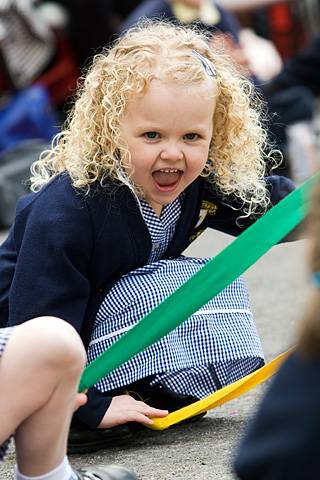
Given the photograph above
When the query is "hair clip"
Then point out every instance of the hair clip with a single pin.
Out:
(316, 279)
(209, 68)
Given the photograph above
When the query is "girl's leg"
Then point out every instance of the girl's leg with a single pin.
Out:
(39, 374)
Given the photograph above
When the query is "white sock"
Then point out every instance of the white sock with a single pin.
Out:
(62, 472)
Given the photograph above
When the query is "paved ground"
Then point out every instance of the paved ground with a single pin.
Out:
(278, 287)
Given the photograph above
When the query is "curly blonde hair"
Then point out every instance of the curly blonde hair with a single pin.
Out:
(89, 148)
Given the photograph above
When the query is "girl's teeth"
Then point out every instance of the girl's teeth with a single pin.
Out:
(168, 170)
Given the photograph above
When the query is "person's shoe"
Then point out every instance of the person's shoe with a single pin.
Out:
(108, 472)
(83, 439)
(159, 396)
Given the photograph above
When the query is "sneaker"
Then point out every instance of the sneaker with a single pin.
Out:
(108, 472)
(83, 439)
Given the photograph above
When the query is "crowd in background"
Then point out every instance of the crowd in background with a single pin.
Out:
(37, 36)
(44, 47)
(51, 42)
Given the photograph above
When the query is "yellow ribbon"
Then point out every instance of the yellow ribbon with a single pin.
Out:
(223, 395)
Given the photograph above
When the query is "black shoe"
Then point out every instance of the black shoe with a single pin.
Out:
(83, 439)
(109, 472)
(160, 396)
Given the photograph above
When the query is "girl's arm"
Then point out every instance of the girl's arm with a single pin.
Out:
(228, 216)
(53, 243)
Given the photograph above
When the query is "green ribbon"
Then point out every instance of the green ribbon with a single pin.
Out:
(216, 275)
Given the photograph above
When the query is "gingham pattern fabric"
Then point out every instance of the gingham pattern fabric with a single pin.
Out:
(4, 336)
(214, 347)
(161, 228)
(203, 380)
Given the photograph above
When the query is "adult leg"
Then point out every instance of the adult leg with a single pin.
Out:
(39, 374)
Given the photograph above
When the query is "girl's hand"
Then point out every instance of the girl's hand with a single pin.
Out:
(124, 408)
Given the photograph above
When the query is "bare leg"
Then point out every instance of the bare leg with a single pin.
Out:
(39, 375)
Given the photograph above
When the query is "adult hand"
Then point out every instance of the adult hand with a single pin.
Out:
(124, 408)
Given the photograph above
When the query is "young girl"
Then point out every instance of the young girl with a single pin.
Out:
(282, 441)
(164, 137)
(37, 398)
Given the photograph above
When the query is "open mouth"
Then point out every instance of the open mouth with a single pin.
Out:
(166, 179)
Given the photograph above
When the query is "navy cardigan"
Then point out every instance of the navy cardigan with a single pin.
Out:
(65, 250)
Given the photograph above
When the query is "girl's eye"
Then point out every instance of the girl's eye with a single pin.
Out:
(151, 135)
(191, 136)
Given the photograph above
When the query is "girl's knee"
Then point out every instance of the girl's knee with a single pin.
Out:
(55, 341)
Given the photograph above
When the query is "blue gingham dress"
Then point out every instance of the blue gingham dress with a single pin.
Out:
(216, 346)
(4, 337)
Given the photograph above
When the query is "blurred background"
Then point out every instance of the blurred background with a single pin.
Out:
(46, 46)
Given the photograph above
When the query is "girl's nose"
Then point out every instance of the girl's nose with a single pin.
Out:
(171, 152)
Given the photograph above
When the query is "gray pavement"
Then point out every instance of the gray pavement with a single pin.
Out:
(278, 290)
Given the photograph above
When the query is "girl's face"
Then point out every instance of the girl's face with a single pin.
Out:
(168, 130)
